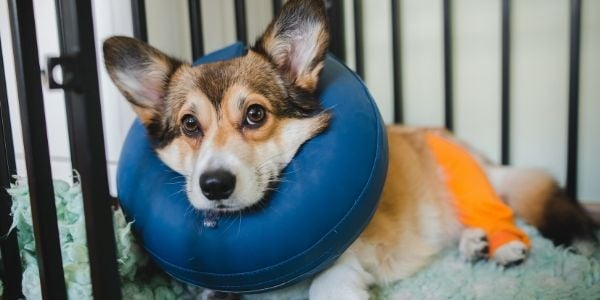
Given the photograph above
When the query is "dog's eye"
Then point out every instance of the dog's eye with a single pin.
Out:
(189, 125)
(255, 115)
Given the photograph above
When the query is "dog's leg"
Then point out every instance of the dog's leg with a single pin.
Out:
(477, 203)
(473, 244)
(346, 279)
(511, 253)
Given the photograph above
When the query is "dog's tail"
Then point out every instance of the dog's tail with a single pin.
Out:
(536, 197)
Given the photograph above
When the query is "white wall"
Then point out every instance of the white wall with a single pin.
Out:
(422, 60)
(589, 119)
(540, 84)
(378, 54)
(539, 71)
(53, 100)
(477, 74)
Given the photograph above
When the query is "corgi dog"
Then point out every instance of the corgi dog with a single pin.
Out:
(230, 128)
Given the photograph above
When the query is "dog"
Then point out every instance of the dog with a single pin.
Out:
(230, 128)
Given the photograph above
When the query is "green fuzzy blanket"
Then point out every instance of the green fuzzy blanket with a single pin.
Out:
(549, 273)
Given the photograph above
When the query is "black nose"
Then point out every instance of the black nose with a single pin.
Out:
(217, 184)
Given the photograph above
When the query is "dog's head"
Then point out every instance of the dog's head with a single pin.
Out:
(230, 127)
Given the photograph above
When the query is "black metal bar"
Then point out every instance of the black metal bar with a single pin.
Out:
(397, 63)
(195, 11)
(9, 246)
(240, 21)
(448, 82)
(84, 119)
(140, 28)
(277, 4)
(358, 38)
(37, 157)
(505, 100)
(337, 45)
(573, 127)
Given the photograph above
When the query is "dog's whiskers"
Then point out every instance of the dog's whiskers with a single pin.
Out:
(240, 221)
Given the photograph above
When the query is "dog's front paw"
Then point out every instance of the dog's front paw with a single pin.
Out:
(215, 295)
(473, 244)
(511, 254)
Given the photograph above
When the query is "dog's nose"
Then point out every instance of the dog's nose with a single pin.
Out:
(217, 184)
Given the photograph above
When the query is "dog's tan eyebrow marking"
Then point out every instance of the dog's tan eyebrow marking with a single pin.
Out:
(241, 101)
(188, 109)
(193, 109)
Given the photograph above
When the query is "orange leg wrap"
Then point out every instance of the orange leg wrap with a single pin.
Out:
(473, 196)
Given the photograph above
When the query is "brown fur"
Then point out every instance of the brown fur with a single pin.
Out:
(279, 74)
(412, 185)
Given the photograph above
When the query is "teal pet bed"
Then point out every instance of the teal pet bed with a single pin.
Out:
(548, 273)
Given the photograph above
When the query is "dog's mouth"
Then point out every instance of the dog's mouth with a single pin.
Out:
(222, 207)
(232, 206)
(226, 208)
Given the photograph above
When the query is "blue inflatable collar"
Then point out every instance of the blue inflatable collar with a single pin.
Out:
(330, 192)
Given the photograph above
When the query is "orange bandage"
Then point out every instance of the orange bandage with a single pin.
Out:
(473, 196)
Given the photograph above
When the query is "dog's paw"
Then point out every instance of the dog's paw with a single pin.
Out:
(511, 254)
(215, 295)
(473, 244)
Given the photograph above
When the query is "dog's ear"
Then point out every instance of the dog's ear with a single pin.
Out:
(141, 73)
(296, 41)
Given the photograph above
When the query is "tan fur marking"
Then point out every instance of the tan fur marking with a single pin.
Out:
(196, 104)
(145, 115)
(411, 186)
